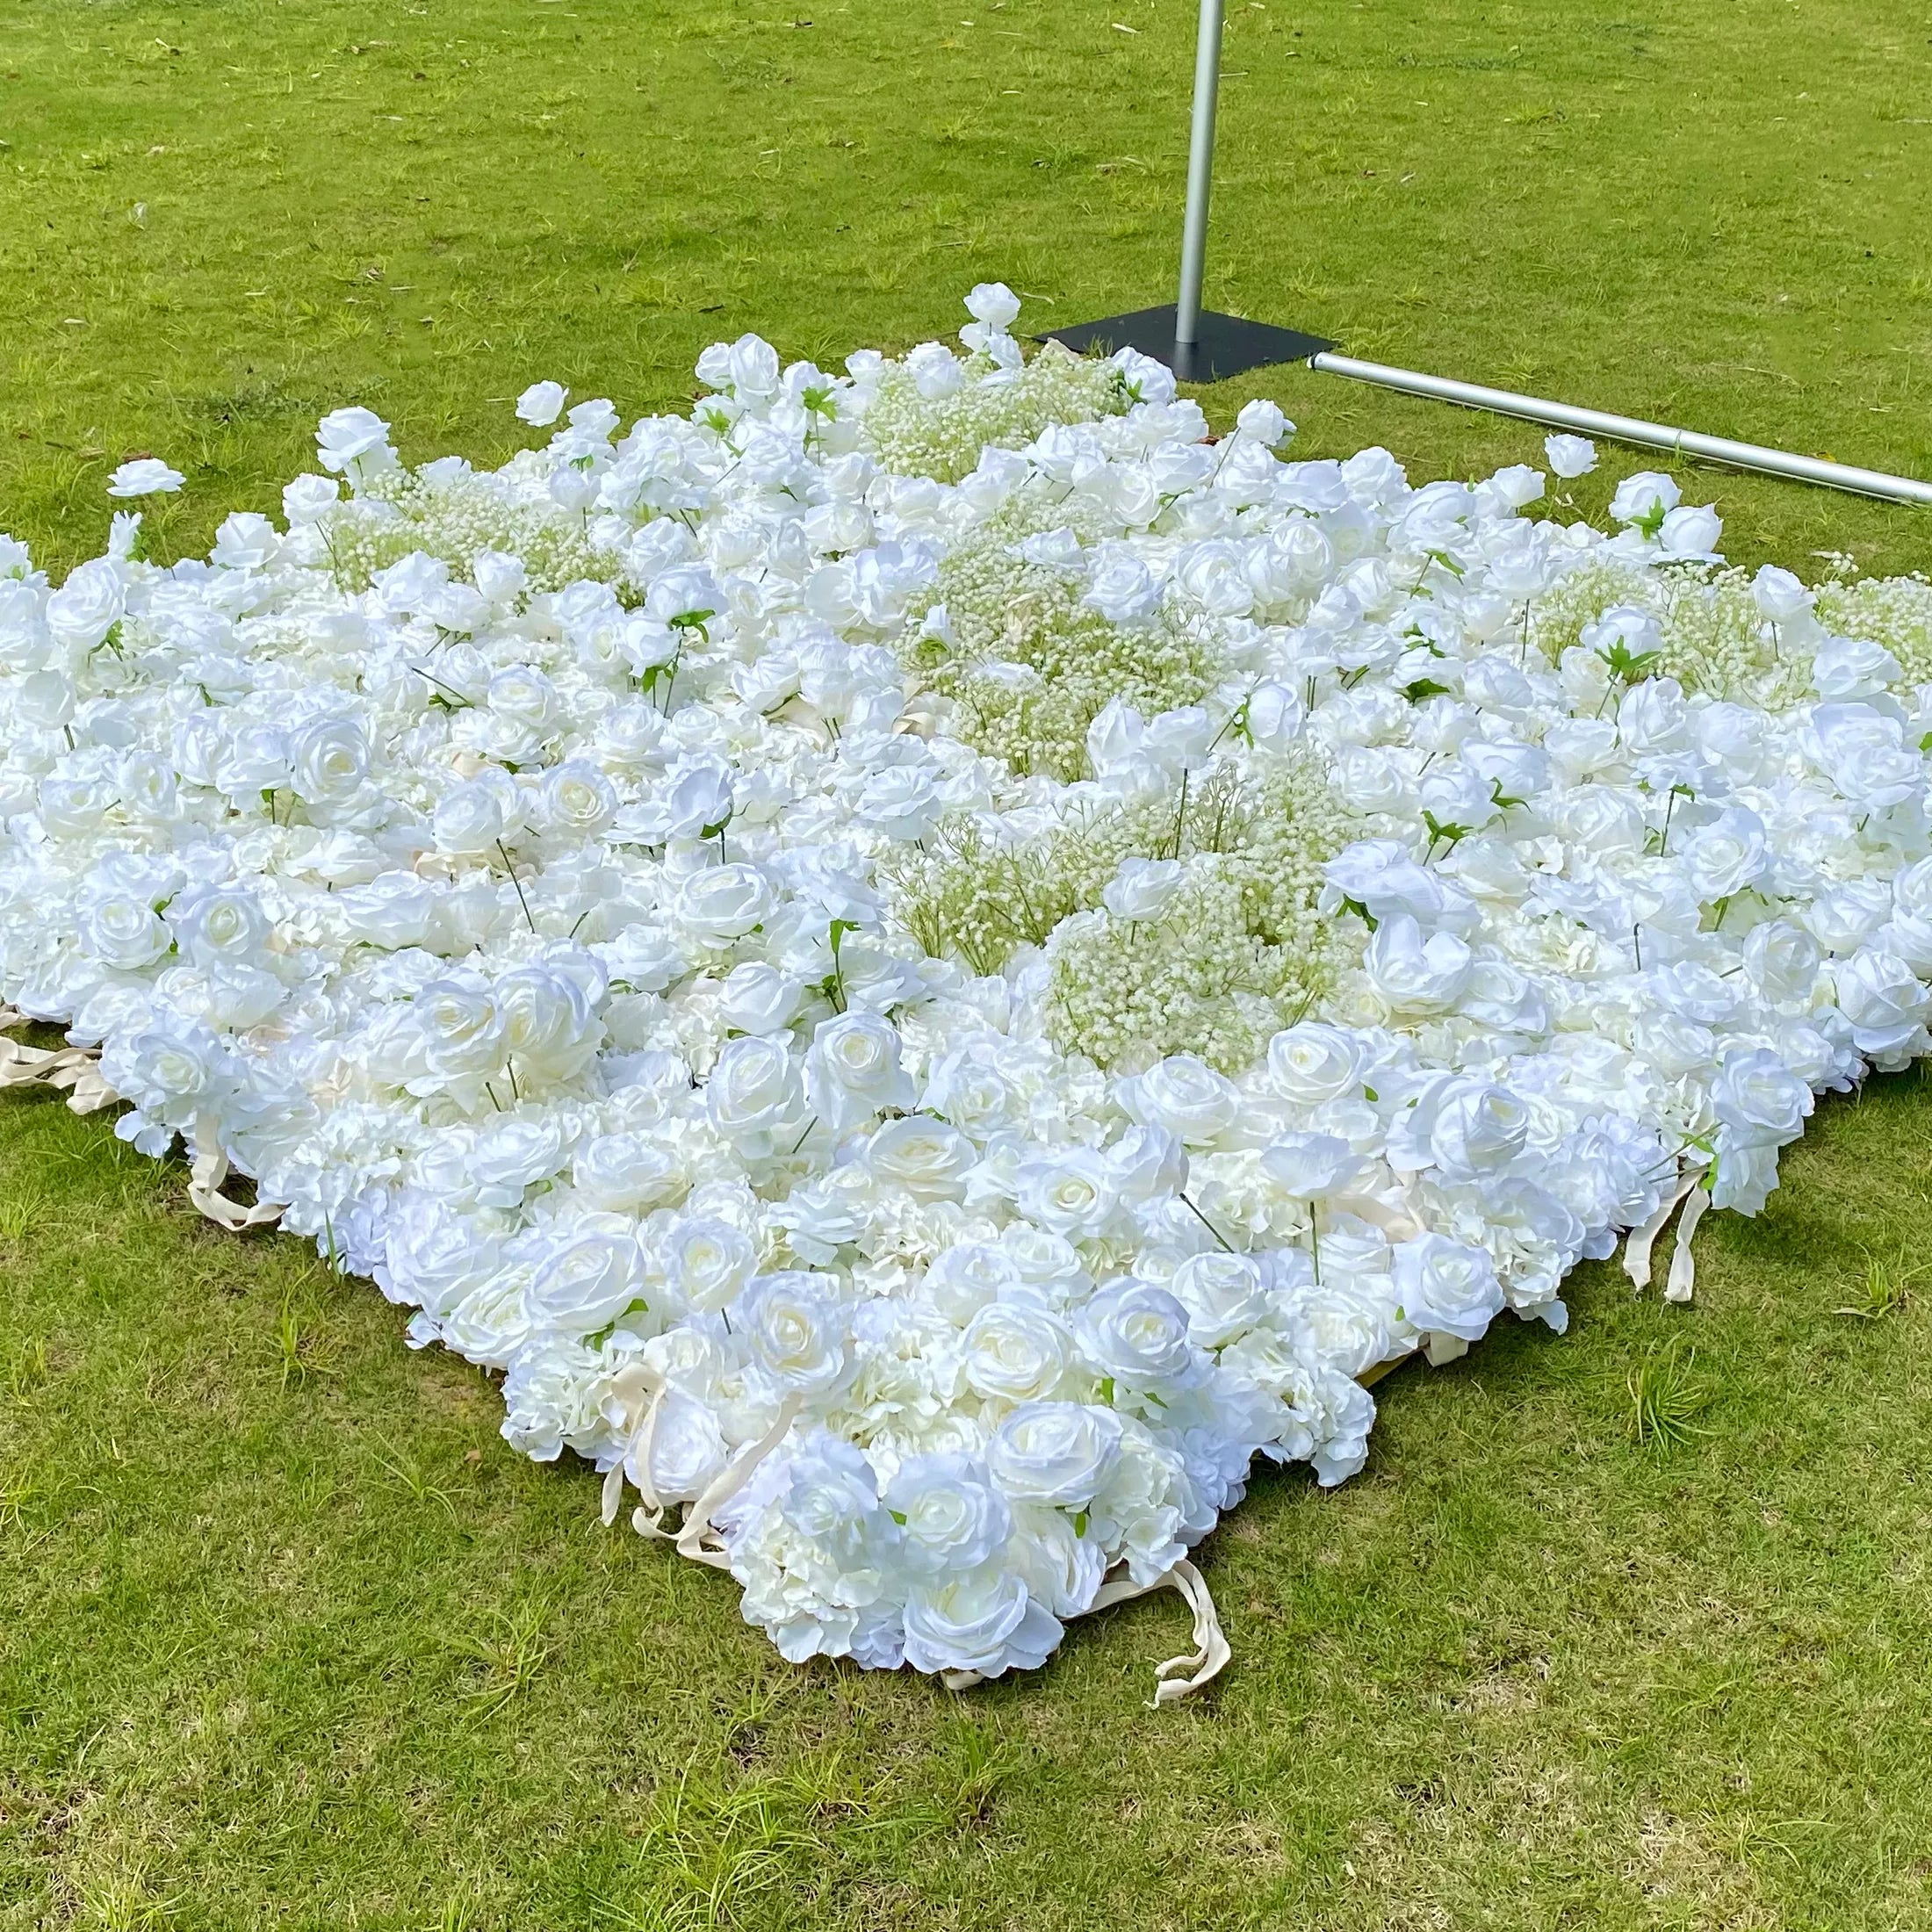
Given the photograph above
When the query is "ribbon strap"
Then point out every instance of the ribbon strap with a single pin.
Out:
(1683, 1269)
(726, 1484)
(206, 1174)
(75, 1069)
(1642, 1240)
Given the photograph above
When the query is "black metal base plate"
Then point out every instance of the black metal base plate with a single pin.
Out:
(1225, 345)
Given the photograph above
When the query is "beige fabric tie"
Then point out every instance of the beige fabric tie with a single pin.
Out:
(75, 1069)
(206, 1174)
(1641, 1240)
(729, 1480)
(1683, 1268)
(1204, 1662)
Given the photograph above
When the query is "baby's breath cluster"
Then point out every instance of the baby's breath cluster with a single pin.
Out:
(1237, 953)
(1893, 612)
(932, 418)
(454, 516)
(1028, 664)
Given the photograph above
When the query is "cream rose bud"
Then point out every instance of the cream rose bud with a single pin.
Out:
(1645, 497)
(1137, 1334)
(1309, 1166)
(1223, 1295)
(1570, 457)
(754, 1088)
(541, 404)
(1122, 589)
(1055, 1453)
(1414, 975)
(123, 932)
(578, 800)
(796, 1325)
(983, 1620)
(706, 1262)
(953, 1517)
(349, 437)
(1070, 1192)
(927, 1158)
(1144, 889)
(1312, 1062)
(1016, 1352)
(1184, 1095)
(1147, 1164)
(853, 1072)
(1447, 1286)
(471, 820)
(585, 1283)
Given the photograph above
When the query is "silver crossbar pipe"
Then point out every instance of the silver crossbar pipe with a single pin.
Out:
(1658, 436)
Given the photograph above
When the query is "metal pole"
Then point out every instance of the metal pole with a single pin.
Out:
(1563, 415)
(1200, 174)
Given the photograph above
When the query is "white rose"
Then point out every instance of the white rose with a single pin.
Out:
(718, 904)
(588, 1282)
(1644, 498)
(688, 1448)
(1144, 889)
(1054, 1452)
(1137, 1334)
(1447, 1286)
(1070, 1193)
(796, 1325)
(1570, 457)
(1312, 1062)
(1727, 854)
(541, 404)
(218, 925)
(983, 1620)
(1414, 975)
(853, 1072)
(1478, 1129)
(953, 1517)
(699, 802)
(1885, 1005)
(627, 1173)
(123, 931)
(471, 820)
(759, 998)
(1224, 1296)
(460, 1026)
(327, 760)
(578, 799)
(347, 438)
(707, 1262)
(754, 1088)
(927, 1158)
(1309, 1166)
(1015, 1352)
(1184, 1095)
(1759, 1101)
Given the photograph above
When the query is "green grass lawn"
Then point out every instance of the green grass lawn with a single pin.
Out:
(288, 1637)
